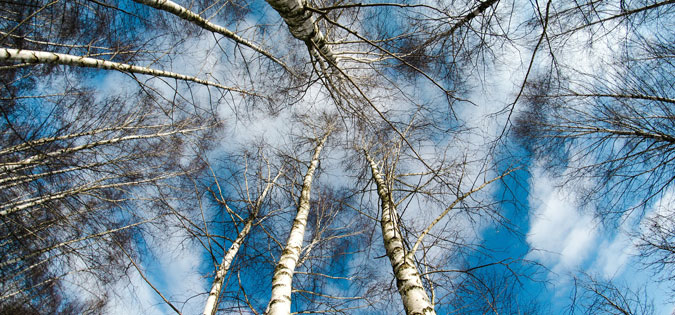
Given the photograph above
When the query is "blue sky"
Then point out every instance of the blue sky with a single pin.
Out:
(547, 236)
(550, 227)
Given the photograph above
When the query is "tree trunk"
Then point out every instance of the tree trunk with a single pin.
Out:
(11, 166)
(408, 281)
(214, 295)
(303, 26)
(212, 301)
(34, 56)
(23, 204)
(280, 301)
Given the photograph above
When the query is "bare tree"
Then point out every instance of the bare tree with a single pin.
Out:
(607, 128)
(280, 302)
(85, 164)
(593, 296)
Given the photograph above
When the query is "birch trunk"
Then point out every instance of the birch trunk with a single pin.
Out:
(37, 57)
(9, 182)
(303, 26)
(280, 301)
(11, 166)
(212, 301)
(184, 13)
(408, 281)
(33, 143)
(214, 295)
(36, 201)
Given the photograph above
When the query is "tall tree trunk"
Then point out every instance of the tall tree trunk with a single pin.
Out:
(7, 167)
(408, 281)
(21, 204)
(280, 301)
(303, 26)
(38, 57)
(212, 301)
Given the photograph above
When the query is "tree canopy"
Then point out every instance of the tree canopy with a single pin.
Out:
(288, 156)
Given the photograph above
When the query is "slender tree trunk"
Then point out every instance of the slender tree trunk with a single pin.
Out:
(280, 302)
(37, 57)
(408, 281)
(214, 295)
(23, 204)
(212, 301)
(11, 166)
(32, 143)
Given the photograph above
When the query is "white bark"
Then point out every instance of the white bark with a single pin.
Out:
(32, 143)
(184, 13)
(303, 26)
(36, 201)
(34, 56)
(212, 301)
(8, 182)
(280, 301)
(211, 305)
(408, 281)
(11, 166)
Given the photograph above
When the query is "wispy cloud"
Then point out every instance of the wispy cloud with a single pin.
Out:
(561, 235)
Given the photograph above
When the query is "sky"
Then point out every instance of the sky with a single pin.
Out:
(550, 234)
(554, 228)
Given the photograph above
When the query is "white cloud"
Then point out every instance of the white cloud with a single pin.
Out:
(178, 264)
(566, 239)
(561, 236)
(614, 255)
(172, 266)
(133, 297)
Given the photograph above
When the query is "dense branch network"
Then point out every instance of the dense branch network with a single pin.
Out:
(93, 163)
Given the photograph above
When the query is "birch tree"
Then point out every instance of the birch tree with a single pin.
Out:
(408, 280)
(280, 302)
(67, 194)
(254, 216)
(166, 75)
(77, 160)
(607, 129)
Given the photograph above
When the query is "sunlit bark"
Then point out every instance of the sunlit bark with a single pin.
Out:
(408, 280)
(303, 26)
(38, 57)
(11, 166)
(211, 305)
(280, 302)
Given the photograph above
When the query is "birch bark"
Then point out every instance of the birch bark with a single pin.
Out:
(212, 301)
(35, 56)
(11, 166)
(280, 301)
(19, 205)
(303, 26)
(211, 305)
(408, 281)
(184, 13)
